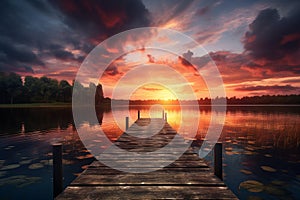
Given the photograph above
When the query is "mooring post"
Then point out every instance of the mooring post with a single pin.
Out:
(57, 169)
(218, 160)
(166, 117)
(139, 114)
(127, 123)
(163, 114)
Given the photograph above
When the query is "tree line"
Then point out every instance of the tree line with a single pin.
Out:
(13, 89)
(264, 99)
(46, 90)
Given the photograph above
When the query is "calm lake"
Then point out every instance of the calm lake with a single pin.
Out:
(261, 148)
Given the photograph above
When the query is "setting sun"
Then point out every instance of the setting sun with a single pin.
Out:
(153, 92)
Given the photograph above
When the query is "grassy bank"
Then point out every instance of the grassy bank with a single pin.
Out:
(36, 105)
(48, 105)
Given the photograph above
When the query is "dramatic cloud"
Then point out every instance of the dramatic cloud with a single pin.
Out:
(46, 37)
(277, 88)
(257, 42)
(100, 18)
(273, 37)
(151, 89)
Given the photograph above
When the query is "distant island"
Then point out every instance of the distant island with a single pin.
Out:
(14, 90)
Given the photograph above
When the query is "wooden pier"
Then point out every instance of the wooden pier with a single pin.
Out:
(188, 177)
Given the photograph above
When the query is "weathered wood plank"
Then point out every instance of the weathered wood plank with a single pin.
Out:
(146, 192)
(188, 177)
(156, 178)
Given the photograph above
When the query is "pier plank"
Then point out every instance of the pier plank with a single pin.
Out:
(188, 177)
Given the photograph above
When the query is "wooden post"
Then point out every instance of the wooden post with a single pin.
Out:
(166, 117)
(139, 114)
(127, 123)
(163, 114)
(57, 169)
(218, 160)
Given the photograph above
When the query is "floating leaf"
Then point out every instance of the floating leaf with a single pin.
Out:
(67, 162)
(19, 181)
(228, 148)
(229, 153)
(249, 148)
(277, 182)
(25, 162)
(268, 155)
(246, 171)
(47, 162)
(268, 169)
(252, 186)
(275, 191)
(249, 153)
(85, 156)
(13, 166)
(36, 166)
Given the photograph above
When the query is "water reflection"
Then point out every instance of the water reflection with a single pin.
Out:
(261, 147)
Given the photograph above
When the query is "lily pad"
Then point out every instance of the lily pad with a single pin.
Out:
(19, 181)
(277, 182)
(252, 186)
(229, 153)
(47, 162)
(67, 162)
(36, 166)
(25, 162)
(246, 171)
(249, 153)
(85, 156)
(275, 191)
(268, 169)
(12, 166)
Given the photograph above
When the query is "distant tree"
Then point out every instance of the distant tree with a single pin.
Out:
(33, 88)
(99, 97)
(65, 91)
(49, 89)
(13, 87)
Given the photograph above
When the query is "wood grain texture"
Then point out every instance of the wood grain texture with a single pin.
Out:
(188, 177)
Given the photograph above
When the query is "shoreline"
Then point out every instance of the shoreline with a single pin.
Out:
(69, 105)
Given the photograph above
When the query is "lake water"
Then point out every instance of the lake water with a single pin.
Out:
(261, 148)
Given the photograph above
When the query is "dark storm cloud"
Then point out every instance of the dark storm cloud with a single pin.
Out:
(273, 37)
(112, 70)
(206, 9)
(186, 58)
(31, 32)
(101, 18)
(272, 88)
(27, 28)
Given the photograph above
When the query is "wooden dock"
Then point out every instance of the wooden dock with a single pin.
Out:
(188, 177)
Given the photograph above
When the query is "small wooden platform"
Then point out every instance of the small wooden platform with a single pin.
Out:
(188, 177)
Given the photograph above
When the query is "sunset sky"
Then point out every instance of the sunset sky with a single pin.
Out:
(254, 43)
